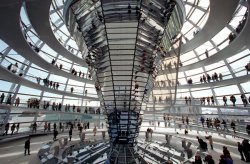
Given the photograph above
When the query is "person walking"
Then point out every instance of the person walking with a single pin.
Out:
(70, 134)
(240, 149)
(2, 98)
(13, 127)
(27, 146)
(49, 127)
(55, 133)
(17, 127)
(17, 102)
(94, 131)
(34, 127)
(45, 127)
(7, 127)
(210, 140)
(246, 149)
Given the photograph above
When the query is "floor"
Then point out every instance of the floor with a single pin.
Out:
(13, 153)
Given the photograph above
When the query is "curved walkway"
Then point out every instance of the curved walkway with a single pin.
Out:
(240, 43)
(10, 15)
(7, 75)
(227, 82)
(213, 26)
(162, 105)
(15, 109)
(39, 16)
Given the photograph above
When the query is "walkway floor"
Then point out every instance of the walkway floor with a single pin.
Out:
(12, 152)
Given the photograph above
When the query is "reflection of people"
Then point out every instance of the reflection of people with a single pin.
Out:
(27, 146)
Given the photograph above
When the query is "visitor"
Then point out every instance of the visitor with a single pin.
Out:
(13, 127)
(94, 131)
(201, 79)
(169, 161)
(17, 102)
(228, 159)
(197, 159)
(244, 99)
(7, 127)
(206, 53)
(27, 146)
(129, 8)
(225, 100)
(71, 89)
(212, 100)
(186, 100)
(233, 99)
(45, 127)
(60, 126)
(208, 123)
(210, 140)
(240, 149)
(185, 131)
(224, 123)
(208, 100)
(202, 144)
(55, 133)
(8, 102)
(189, 100)
(209, 159)
(34, 127)
(70, 133)
(246, 149)
(17, 127)
(2, 98)
(247, 67)
(49, 127)
(202, 121)
(222, 160)
(226, 153)
(248, 129)
(220, 77)
(14, 68)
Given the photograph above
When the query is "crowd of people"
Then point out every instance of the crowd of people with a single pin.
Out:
(14, 128)
(8, 100)
(210, 100)
(73, 70)
(36, 103)
(208, 78)
(48, 83)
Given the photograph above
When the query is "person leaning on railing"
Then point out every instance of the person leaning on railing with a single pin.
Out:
(248, 129)
(247, 67)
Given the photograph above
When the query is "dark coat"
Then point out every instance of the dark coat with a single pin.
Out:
(27, 144)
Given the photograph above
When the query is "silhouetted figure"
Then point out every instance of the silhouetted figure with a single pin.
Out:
(17, 127)
(55, 133)
(7, 127)
(225, 100)
(13, 127)
(2, 98)
(240, 149)
(27, 146)
(70, 134)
